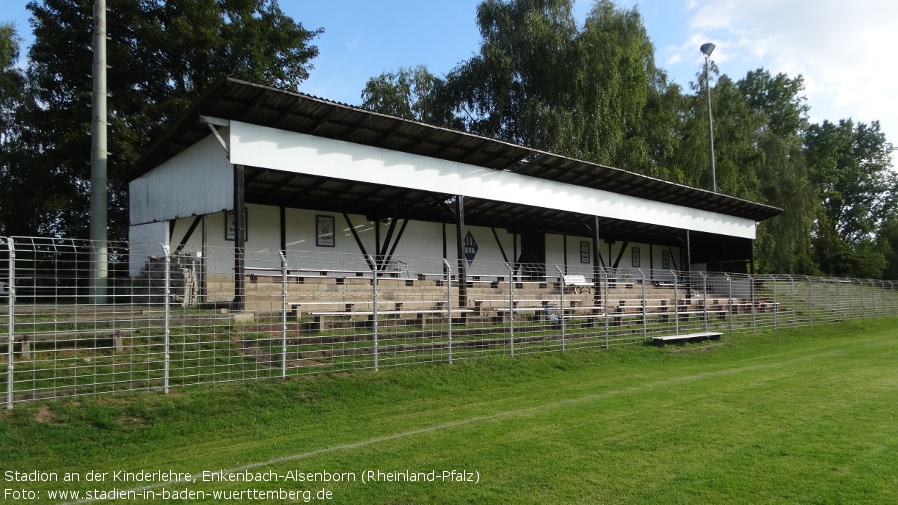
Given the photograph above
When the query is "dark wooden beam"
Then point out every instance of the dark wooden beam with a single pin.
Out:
(460, 251)
(282, 214)
(621, 253)
(239, 303)
(596, 261)
(358, 242)
(193, 225)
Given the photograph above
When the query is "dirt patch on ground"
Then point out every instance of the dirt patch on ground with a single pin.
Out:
(44, 415)
(305, 362)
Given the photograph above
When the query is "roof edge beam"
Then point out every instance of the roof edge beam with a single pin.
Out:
(213, 122)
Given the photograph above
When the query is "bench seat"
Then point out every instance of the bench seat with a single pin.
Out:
(687, 337)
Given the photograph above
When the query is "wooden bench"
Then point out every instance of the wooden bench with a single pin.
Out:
(502, 304)
(72, 337)
(687, 337)
(420, 316)
(296, 308)
(577, 283)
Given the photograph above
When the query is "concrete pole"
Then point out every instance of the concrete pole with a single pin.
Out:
(98, 156)
(710, 129)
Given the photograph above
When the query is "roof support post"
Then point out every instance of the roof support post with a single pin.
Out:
(282, 217)
(596, 269)
(752, 266)
(688, 266)
(239, 303)
(460, 250)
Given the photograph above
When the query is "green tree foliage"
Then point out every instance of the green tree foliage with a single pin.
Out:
(783, 243)
(887, 242)
(11, 94)
(849, 167)
(161, 55)
(11, 79)
(592, 93)
(512, 90)
(410, 93)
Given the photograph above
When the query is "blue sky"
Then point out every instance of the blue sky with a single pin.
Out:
(843, 49)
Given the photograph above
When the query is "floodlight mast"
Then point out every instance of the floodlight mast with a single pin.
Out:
(707, 48)
(99, 267)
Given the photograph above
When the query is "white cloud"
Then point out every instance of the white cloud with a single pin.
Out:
(843, 50)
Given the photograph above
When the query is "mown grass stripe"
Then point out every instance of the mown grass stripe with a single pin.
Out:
(663, 383)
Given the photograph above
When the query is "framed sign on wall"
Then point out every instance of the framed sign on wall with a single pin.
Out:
(584, 252)
(324, 231)
(231, 225)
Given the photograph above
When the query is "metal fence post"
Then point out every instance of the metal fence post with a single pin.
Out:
(776, 305)
(283, 315)
(754, 317)
(166, 357)
(561, 303)
(374, 309)
(873, 297)
(645, 317)
(810, 301)
(12, 322)
(604, 273)
(705, 299)
(792, 301)
(892, 295)
(510, 309)
(838, 309)
(730, 300)
(449, 303)
(863, 305)
(676, 302)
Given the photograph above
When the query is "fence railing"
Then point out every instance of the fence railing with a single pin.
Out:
(167, 318)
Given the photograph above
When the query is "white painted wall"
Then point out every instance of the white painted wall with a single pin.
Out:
(420, 247)
(299, 153)
(198, 181)
(145, 240)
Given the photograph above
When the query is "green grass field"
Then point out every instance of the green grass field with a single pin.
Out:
(797, 416)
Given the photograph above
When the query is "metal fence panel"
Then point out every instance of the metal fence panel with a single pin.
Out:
(178, 316)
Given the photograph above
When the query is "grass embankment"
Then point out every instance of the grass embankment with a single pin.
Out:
(797, 416)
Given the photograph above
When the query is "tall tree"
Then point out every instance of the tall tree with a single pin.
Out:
(511, 90)
(11, 93)
(783, 243)
(162, 55)
(539, 81)
(850, 167)
(411, 93)
(887, 242)
(11, 79)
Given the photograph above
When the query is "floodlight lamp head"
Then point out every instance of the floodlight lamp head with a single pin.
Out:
(707, 48)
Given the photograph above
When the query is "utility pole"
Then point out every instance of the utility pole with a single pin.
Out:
(99, 267)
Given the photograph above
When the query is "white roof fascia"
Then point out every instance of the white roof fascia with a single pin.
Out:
(287, 151)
